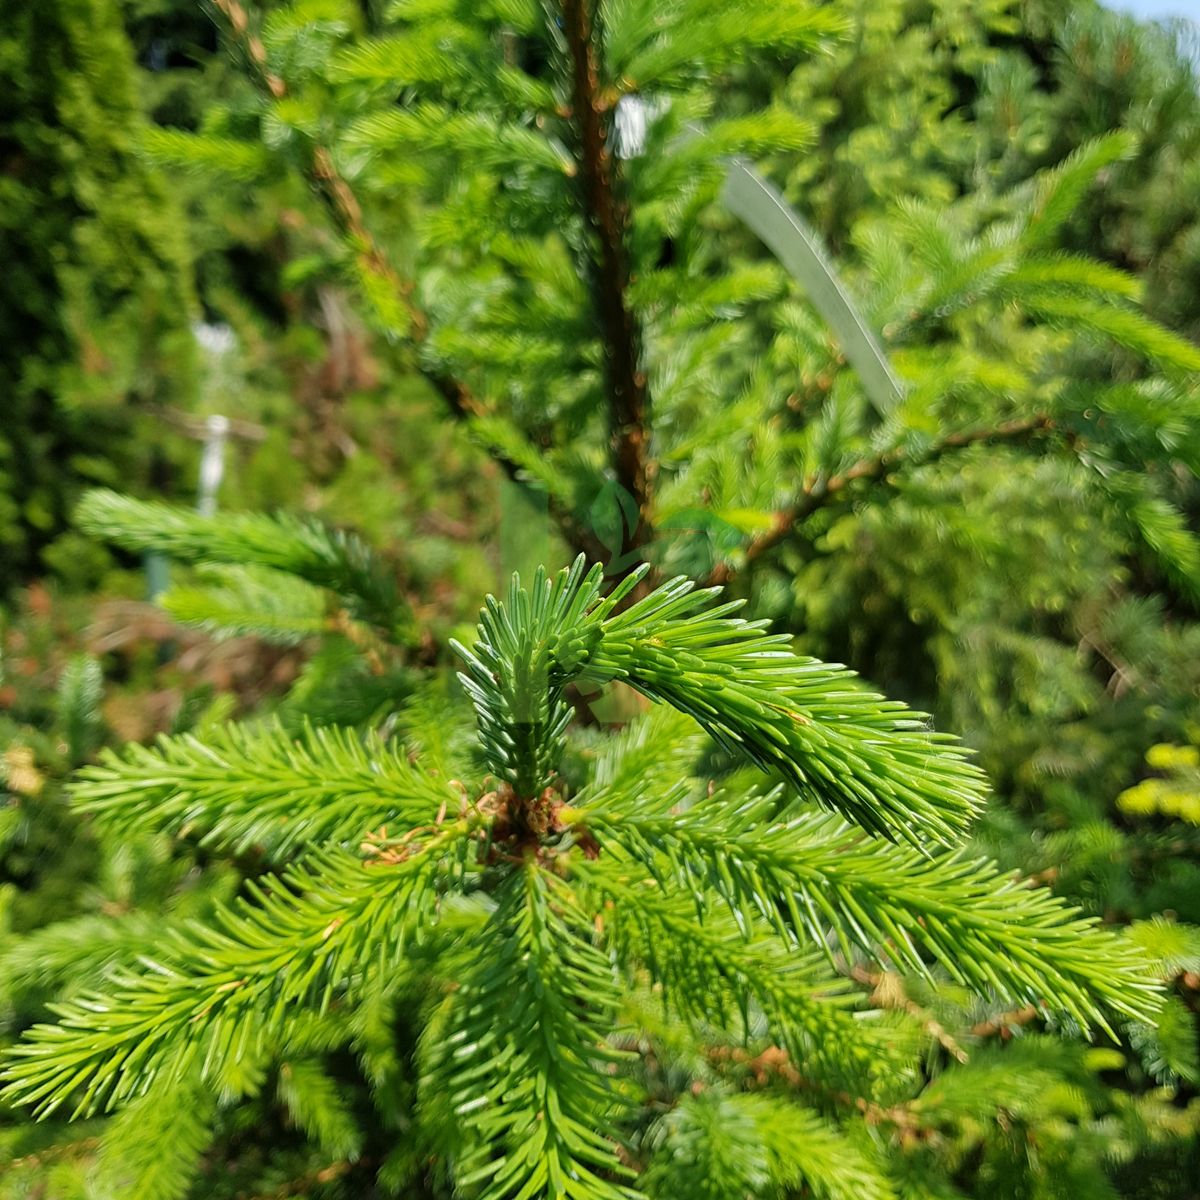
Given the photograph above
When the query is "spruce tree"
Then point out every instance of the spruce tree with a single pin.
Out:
(579, 298)
(585, 306)
(563, 950)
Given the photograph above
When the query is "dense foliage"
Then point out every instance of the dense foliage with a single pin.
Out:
(96, 295)
(501, 291)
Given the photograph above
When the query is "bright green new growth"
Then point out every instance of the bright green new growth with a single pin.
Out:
(240, 788)
(742, 912)
(871, 759)
(301, 547)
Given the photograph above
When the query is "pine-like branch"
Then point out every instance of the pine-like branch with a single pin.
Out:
(527, 1064)
(154, 1148)
(299, 546)
(245, 787)
(238, 601)
(219, 995)
(71, 953)
(710, 971)
(824, 491)
(690, 39)
(527, 651)
(817, 875)
(80, 691)
(850, 749)
(853, 751)
(389, 293)
(718, 1145)
(1058, 192)
(314, 1102)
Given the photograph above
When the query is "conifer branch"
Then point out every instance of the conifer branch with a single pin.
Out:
(607, 217)
(738, 1140)
(153, 1149)
(711, 900)
(239, 24)
(707, 968)
(528, 650)
(243, 788)
(331, 186)
(300, 546)
(384, 282)
(238, 601)
(76, 951)
(816, 875)
(849, 749)
(819, 493)
(314, 1103)
(528, 1064)
(220, 995)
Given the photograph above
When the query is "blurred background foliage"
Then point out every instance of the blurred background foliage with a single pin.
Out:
(1042, 604)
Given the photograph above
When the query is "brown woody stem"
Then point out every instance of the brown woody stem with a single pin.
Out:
(607, 218)
(820, 492)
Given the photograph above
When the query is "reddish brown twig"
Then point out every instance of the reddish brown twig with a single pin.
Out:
(822, 491)
(607, 217)
(1003, 1023)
